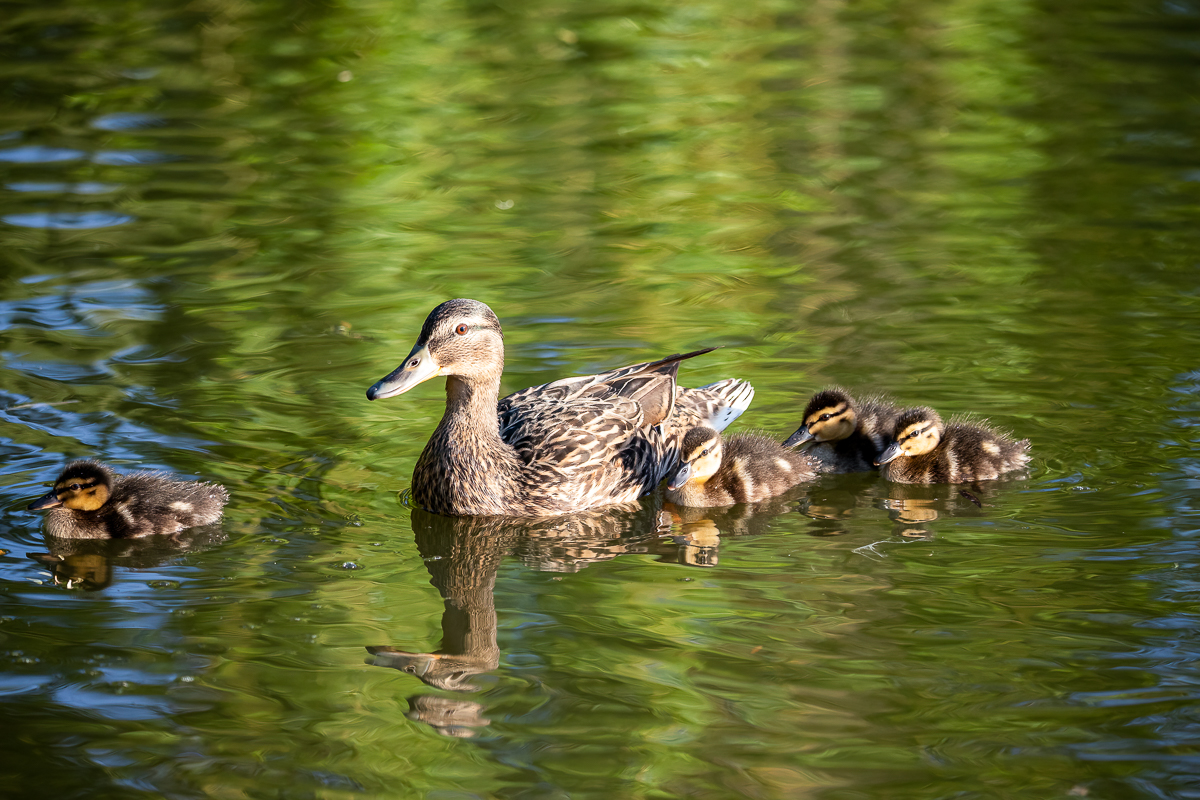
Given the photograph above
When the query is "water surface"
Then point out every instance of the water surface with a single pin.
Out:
(220, 223)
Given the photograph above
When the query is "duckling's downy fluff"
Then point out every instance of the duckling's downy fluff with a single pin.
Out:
(745, 468)
(566, 446)
(91, 501)
(927, 450)
(843, 434)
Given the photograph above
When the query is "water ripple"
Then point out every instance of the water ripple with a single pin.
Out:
(124, 121)
(39, 154)
(131, 157)
(68, 220)
(83, 187)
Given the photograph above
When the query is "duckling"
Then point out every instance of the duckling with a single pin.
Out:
(926, 450)
(844, 435)
(91, 501)
(745, 468)
(566, 446)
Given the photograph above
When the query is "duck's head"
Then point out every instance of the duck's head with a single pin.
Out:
(82, 486)
(699, 457)
(461, 338)
(918, 430)
(828, 417)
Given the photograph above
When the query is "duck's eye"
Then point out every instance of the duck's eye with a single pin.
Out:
(462, 329)
(824, 418)
(75, 487)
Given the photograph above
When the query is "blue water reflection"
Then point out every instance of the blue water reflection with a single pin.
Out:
(68, 220)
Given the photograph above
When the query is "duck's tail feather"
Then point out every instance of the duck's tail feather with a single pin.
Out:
(732, 397)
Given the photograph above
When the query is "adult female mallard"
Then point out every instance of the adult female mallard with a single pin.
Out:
(845, 435)
(926, 450)
(566, 446)
(91, 501)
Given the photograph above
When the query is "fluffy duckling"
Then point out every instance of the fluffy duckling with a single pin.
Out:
(91, 501)
(745, 468)
(844, 435)
(926, 450)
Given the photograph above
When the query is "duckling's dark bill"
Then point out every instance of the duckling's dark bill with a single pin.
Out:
(419, 367)
(680, 477)
(891, 454)
(802, 436)
(48, 500)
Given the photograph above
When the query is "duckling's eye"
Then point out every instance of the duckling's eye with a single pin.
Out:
(462, 329)
(75, 487)
(824, 418)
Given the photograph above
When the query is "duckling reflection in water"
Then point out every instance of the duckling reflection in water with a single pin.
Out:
(927, 450)
(845, 435)
(91, 501)
(746, 468)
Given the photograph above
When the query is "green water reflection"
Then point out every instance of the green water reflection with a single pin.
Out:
(219, 223)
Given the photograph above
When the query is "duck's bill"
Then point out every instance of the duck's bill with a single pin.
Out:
(48, 500)
(800, 437)
(680, 477)
(413, 663)
(891, 454)
(419, 367)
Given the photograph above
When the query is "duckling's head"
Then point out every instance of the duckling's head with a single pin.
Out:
(461, 338)
(699, 457)
(918, 430)
(828, 417)
(82, 486)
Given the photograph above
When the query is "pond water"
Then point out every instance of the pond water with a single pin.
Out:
(221, 222)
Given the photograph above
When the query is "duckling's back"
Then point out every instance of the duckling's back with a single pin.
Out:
(967, 452)
(755, 467)
(154, 502)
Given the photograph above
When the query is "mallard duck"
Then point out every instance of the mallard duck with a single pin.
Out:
(573, 444)
(926, 450)
(745, 468)
(91, 501)
(844, 435)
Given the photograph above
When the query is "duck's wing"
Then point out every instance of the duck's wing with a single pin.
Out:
(570, 432)
(650, 384)
(582, 452)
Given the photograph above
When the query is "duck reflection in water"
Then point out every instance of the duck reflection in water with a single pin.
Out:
(696, 533)
(90, 564)
(914, 506)
(463, 555)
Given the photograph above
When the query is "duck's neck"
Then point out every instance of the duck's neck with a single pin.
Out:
(466, 468)
(471, 405)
